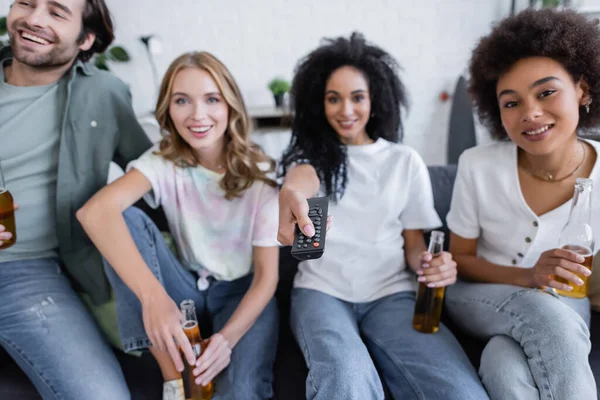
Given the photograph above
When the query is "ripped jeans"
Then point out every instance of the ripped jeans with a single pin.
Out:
(48, 331)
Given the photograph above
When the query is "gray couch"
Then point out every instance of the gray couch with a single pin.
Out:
(143, 375)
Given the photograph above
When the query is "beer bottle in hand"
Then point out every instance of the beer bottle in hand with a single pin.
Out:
(577, 235)
(7, 213)
(192, 331)
(428, 305)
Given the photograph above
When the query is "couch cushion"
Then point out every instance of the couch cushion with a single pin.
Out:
(442, 183)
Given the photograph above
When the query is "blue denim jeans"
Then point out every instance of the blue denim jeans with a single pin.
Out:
(538, 342)
(344, 344)
(46, 328)
(249, 376)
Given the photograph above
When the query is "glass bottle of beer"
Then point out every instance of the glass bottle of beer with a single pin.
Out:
(7, 213)
(577, 235)
(428, 305)
(192, 331)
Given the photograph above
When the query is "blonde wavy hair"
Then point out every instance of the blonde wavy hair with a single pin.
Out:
(243, 157)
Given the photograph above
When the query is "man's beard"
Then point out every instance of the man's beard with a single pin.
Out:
(60, 55)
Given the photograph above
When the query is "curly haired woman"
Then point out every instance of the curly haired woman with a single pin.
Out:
(536, 83)
(352, 309)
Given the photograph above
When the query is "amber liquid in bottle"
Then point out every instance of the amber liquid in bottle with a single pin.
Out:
(192, 331)
(429, 301)
(7, 213)
(577, 236)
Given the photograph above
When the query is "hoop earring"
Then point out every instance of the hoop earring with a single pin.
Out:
(587, 106)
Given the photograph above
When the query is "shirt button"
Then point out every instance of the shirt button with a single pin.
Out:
(528, 240)
(535, 223)
(94, 124)
(520, 254)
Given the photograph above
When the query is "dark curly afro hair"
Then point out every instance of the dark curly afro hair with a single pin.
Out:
(565, 36)
(313, 140)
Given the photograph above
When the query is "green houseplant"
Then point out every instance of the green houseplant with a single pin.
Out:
(114, 53)
(279, 87)
(3, 31)
(549, 3)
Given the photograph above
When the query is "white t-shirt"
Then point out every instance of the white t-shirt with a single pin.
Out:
(388, 190)
(488, 205)
(212, 234)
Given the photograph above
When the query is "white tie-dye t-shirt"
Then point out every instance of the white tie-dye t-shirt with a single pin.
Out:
(212, 234)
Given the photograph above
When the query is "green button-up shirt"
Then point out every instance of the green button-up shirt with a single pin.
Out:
(98, 126)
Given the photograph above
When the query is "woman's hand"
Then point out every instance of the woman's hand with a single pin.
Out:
(558, 263)
(439, 271)
(293, 210)
(162, 320)
(213, 360)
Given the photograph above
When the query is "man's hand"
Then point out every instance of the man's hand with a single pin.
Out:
(4, 235)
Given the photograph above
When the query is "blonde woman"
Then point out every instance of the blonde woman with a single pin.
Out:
(222, 211)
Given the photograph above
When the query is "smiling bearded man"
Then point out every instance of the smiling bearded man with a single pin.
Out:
(55, 111)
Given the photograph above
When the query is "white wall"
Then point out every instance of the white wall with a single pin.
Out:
(258, 39)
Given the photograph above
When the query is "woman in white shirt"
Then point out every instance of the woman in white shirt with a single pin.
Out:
(535, 81)
(352, 309)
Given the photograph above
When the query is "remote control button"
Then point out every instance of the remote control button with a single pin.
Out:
(318, 223)
(317, 240)
(305, 245)
(299, 246)
(308, 240)
(315, 244)
(300, 241)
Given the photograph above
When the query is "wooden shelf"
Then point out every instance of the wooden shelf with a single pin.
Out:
(269, 119)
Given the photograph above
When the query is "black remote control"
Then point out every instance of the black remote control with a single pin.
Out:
(306, 248)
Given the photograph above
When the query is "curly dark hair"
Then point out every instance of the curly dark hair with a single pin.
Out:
(313, 140)
(565, 36)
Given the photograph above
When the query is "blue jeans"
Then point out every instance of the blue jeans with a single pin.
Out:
(249, 376)
(46, 328)
(538, 342)
(339, 338)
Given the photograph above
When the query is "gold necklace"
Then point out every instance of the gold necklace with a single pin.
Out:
(549, 177)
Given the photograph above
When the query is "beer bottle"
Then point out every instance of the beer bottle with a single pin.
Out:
(192, 331)
(7, 213)
(428, 305)
(577, 235)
